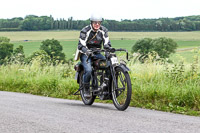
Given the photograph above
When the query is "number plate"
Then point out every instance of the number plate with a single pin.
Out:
(114, 60)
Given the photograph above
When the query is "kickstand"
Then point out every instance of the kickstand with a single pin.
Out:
(76, 93)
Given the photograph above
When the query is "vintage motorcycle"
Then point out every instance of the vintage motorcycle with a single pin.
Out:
(110, 79)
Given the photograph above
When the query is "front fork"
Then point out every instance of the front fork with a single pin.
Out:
(94, 79)
(113, 76)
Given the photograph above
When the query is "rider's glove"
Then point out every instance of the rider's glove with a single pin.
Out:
(107, 47)
(112, 50)
(88, 53)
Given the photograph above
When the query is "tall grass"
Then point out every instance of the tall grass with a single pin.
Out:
(174, 88)
(55, 81)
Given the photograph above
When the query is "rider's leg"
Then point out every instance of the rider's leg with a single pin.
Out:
(100, 56)
(87, 74)
(87, 68)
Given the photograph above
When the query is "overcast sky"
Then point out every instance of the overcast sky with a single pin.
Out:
(109, 9)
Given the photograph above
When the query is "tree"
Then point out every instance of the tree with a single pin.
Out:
(162, 46)
(19, 50)
(32, 22)
(142, 46)
(52, 21)
(39, 56)
(54, 50)
(18, 55)
(6, 49)
(4, 40)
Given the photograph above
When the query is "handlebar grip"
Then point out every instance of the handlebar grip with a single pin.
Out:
(120, 49)
(127, 56)
(125, 51)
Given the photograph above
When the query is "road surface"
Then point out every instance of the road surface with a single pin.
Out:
(25, 113)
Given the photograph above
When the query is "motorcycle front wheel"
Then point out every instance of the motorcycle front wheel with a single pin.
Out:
(121, 94)
(86, 100)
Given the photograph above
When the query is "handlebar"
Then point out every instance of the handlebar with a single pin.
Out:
(124, 51)
(107, 50)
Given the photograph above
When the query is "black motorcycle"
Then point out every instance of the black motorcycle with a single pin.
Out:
(110, 79)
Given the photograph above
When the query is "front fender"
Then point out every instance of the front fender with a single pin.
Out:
(124, 67)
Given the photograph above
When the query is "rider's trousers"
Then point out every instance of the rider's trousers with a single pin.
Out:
(87, 66)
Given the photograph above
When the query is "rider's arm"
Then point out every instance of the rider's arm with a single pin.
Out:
(106, 40)
(82, 42)
(83, 39)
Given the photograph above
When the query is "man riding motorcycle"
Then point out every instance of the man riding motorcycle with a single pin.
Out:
(91, 36)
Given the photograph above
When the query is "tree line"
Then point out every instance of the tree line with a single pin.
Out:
(34, 23)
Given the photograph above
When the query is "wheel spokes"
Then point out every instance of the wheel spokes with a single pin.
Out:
(121, 90)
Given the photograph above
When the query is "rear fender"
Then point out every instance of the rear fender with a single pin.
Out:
(77, 76)
(78, 68)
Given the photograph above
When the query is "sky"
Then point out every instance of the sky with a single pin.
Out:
(109, 9)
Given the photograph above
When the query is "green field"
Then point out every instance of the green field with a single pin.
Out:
(69, 39)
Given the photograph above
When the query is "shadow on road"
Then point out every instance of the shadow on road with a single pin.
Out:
(95, 105)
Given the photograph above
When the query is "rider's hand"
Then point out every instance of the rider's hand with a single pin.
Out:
(112, 50)
(88, 53)
(106, 46)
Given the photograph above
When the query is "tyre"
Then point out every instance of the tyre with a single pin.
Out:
(88, 100)
(121, 95)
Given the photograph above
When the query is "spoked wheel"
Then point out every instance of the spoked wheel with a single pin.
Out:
(122, 93)
(86, 100)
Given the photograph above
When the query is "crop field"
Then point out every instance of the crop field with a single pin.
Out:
(73, 35)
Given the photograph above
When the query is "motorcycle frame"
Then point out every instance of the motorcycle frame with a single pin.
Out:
(111, 68)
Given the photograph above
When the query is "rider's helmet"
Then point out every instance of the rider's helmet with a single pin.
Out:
(96, 17)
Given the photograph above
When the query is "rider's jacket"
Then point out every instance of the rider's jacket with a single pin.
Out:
(91, 39)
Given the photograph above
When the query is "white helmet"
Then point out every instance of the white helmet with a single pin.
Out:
(95, 17)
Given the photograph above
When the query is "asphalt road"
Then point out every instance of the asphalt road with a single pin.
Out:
(25, 113)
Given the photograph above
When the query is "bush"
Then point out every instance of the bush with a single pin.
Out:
(54, 50)
(18, 55)
(4, 40)
(142, 46)
(162, 46)
(6, 49)
(41, 56)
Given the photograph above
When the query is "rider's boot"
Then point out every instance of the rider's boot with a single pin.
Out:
(86, 90)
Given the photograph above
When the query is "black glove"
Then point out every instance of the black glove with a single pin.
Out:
(106, 46)
(112, 50)
(88, 53)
